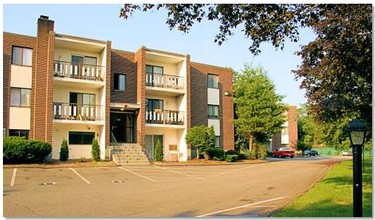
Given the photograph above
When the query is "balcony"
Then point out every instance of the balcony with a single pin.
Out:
(79, 71)
(165, 117)
(165, 83)
(77, 112)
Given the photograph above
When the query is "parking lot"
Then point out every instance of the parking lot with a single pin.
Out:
(155, 191)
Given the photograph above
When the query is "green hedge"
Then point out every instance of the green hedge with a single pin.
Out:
(231, 158)
(214, 152)
(231, 152)
(20, 150)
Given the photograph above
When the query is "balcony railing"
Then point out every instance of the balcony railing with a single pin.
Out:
(165, 81)
(78, 71)
(165, 117)
(68, 111)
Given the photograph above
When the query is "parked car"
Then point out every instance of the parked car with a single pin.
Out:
(310, 153)
(283, 152)
(347, 153)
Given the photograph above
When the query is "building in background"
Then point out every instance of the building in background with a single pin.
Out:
(288, 137)
(58, 86)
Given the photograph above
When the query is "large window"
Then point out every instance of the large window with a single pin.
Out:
(77, 137)
(19, 133)
(213, 111)
(213, 81)
(154, 75)
(22, 56)
(82, 98)
(20, 97)
(217, 141)
(120, 82)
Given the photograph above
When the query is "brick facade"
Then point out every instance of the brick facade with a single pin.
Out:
(291, 130)
(199, 102)
(10, 40)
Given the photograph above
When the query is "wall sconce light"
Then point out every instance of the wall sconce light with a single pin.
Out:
(226, 93)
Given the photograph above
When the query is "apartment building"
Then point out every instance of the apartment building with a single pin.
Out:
(288, 136)
(59, 87)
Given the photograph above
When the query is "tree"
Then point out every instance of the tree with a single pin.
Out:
(95, 150)
(309, 131)
(336, 68)
(64, 150)
(159, 151)
(258, 107)
(201, 137)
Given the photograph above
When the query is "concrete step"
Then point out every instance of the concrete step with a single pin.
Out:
(127, 154)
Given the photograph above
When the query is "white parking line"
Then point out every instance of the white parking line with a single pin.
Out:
(184, 174)
(79, 175)
(137, 174)
(235, 170)
(240, 207)
(13, 180)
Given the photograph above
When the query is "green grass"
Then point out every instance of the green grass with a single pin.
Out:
(332, 196)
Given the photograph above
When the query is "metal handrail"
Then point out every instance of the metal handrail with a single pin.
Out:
(165, 81)
(73, 111)
(165, 117)
(78, 71)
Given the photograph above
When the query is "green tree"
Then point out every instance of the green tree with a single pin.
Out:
(201, 137)
(159, 151)
(64, 150)
(336, 68)
(258, 107)
(309, 131)
(95, 150)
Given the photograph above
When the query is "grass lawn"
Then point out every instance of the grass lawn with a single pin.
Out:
(333, 195)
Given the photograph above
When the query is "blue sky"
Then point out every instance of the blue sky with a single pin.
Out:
(102, 22)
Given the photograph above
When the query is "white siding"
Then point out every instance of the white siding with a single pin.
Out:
(19, 118)
(21, 76)
(216, 124)
(213, 96)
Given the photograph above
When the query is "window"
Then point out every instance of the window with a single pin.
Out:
(217, 141)
(154, 69)
(19, 133)
(20, 97)
(76, 137)
(213, 111)
(154, 75)
(22, 56)
(82, 98)
(120, 82)
(213, 81)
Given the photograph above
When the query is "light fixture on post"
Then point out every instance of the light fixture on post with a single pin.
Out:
(357, 134)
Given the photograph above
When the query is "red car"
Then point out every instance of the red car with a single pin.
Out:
(284, 152)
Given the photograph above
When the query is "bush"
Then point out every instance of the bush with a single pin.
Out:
(303, 145)
(214, 152)
(64, 150)
(231, 158)
(201, 137)
(95, 150)
(159, 151)
(231, 152)
(20, 150)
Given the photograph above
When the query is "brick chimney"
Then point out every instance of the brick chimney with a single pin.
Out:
(42, 81)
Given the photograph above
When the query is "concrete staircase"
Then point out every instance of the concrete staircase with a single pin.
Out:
(129, 154)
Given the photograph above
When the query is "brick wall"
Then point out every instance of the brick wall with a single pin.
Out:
(108, 79)
(293, 126)
(42, 82)
(140, 61)
(123, 62)
(198, 84)
(9, 40)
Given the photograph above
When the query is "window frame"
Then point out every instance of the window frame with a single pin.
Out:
(21, 133)
(211, 82)
(20, 98)
(213, 116)
(22, 56)
(116, 82)
(82, 139)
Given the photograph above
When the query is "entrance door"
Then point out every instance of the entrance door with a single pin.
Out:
(151, 141)
(122, 127)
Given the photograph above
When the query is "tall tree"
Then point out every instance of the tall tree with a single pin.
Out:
(336, 68)
(258, 107)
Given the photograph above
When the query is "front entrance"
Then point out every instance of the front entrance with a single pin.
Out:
(122, 127)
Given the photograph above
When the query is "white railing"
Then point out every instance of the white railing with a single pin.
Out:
(165, 117)
(67, 111)
(165, 81)
(79, 71)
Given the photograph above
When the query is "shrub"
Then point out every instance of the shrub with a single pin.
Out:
(201, 137)
(231, 152)
(159, 151)
(95, 150)
(64, 150)
(231, 158)
(214, 152)
(20, 150)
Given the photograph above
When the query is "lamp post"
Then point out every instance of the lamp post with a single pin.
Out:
(357, 133)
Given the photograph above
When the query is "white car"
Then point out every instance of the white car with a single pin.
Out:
(347, 153)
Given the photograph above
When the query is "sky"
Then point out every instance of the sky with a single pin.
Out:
(102, 22)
